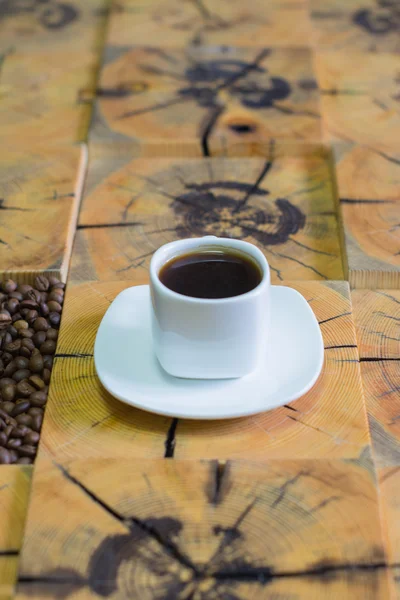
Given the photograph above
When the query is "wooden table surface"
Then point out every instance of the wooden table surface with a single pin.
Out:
(127, 124)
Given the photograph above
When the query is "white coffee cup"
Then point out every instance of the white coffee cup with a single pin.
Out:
(209, 339)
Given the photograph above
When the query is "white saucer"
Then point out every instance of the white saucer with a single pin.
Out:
(129, 370)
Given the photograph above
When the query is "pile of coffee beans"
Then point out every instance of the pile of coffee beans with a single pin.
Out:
(29, 322)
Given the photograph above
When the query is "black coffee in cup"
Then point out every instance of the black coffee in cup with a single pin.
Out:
(211, 273)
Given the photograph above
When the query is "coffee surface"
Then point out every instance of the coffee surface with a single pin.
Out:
(211, 274)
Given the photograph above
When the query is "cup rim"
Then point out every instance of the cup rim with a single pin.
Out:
(192, 243)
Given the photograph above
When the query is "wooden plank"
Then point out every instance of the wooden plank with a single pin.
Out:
(368, 186)
(172, 529)
(41, 26)
(54, 108)
(207, 94)
(360, 91)
(14, 492)
(284, 203)
(39, 197)
(366, 159)
(356, 25)
(177, 24)
(81, 418)
(330, 420)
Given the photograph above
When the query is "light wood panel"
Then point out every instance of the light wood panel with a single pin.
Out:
(39, 198)
(206, 94)
(177, 24)
(361, 118)
(82, 419)
(284, 203)
(52, 25)
(44, 97)
(14, 492)
(330, 420)
(356, 25)
(360, 100)
(170, 529)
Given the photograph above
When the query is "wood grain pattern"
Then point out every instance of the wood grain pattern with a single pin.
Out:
(39, 198)
(356, 25)
(330, 420)
(170, 529)
(377, 318)
(208, 94)
(82, 419)
(354, 93)
(177, 24)
(53, 25)
(14, 492)
(284, 203)
(359, 92)
(44, 97)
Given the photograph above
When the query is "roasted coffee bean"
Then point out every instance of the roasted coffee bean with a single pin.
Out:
(55, 296)
(12, 305)
(47, 361)
(46, 376)
(20, 432)
(54, 319)
(48, 347)
(54, 306)
(27, 450)
(13, 455)
(21, 362)
(41, 324)
(10, 369)
(13, 347)
(8, 406)
(21, 374)
(35, 411)
(35, 295)
(42, 283)
(26, 333)
(32, 438)
(25, 352)
(9, 286)
(53, 281)
(14, 443)
(31, 315)
(23, 312)
(2, 367)
(24, 460)
(9, 429)
(17, 295)
(5, 458)
(25, 389)
(52, 334)
(16, 317)
(60, 285)
(38, 398)
(39, 338)
(8, 392)
(24, 419)
(20, 407)
(36, 363)
(44, 309)
(13, 332)
(37, 382)
(5, 319)
(7, 339)
(6, 381)
(3, 424)
(28, 344)
(28, 304)
(45, 297)
(37, 421)
(6, 358)
(3, 438)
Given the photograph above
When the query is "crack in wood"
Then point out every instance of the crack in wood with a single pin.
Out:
(105, 225)
(335, 317)
(359, 201)
(170, 442)
(283, 488)
(9, 553)
(340, 346)
(77, 355)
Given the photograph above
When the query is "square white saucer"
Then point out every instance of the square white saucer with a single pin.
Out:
(129, 370)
